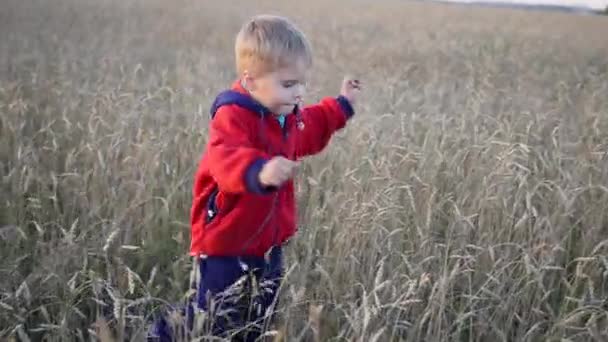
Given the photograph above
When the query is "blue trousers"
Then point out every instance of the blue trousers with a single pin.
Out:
(237, 294)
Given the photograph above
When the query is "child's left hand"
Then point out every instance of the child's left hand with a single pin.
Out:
(350, 89)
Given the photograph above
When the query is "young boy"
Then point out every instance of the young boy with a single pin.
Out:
(243, 208)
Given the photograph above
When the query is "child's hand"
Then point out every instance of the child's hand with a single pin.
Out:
(276, 171)
(350, 89)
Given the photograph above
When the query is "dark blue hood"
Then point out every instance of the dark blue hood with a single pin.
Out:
(230, 97)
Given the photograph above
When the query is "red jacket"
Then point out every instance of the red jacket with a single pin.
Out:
(232, 214)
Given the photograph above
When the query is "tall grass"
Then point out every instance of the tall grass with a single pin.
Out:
(466, 202)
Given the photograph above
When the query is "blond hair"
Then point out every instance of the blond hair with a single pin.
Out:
(266, 43)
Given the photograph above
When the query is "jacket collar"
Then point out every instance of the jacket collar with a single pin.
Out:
(240, 96)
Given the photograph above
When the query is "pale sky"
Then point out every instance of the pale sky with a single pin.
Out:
(595, 4)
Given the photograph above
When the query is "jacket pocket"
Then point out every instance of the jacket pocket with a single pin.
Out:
(212, 207)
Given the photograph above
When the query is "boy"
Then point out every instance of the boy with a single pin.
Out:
(243, 207)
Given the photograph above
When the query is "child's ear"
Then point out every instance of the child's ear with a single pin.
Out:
(248, 81)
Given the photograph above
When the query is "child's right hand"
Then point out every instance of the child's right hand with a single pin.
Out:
(277, 170)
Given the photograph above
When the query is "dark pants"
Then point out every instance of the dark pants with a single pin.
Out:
(238, 296)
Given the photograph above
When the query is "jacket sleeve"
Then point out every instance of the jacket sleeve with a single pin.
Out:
(234, 161)
(321, 121)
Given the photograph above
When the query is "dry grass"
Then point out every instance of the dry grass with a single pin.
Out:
(467, 201)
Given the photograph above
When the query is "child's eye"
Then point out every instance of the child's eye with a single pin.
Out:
(289, 84)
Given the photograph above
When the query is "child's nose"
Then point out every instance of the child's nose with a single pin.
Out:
(299, 92)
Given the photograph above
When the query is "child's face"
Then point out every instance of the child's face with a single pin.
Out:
(280, 90)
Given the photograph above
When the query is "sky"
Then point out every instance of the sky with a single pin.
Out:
(595, 4)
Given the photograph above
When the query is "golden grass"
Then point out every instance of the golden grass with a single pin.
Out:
(466, 202)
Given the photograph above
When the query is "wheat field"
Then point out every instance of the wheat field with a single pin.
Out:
(466, 202)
